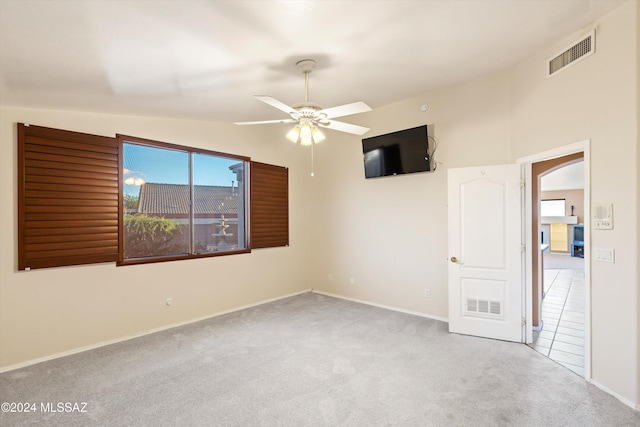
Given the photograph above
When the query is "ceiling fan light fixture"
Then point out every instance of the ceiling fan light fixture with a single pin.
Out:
(306, 134)
(317, 135)
(294, 134)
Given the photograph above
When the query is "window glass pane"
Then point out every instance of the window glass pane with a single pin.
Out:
(218, 195)
(157, 199)
(553, 207)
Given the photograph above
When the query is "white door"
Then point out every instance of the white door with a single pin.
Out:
(485, 255)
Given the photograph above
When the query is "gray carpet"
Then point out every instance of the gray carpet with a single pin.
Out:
(311, 360)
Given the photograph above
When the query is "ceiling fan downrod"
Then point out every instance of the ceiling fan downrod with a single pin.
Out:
(306, 66)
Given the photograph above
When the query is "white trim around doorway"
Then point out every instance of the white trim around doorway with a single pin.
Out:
(526, 165)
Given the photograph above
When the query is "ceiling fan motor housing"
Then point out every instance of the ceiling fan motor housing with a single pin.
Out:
(307, 110)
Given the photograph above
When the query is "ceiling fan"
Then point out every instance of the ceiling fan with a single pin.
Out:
(308, 116)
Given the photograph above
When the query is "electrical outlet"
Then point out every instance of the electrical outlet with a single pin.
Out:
(169, 302)
(352, 281)
(427, 293)
(331, 277)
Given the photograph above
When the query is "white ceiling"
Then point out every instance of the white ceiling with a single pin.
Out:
(206, 59)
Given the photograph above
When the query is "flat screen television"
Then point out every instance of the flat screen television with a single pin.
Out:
(401, 152)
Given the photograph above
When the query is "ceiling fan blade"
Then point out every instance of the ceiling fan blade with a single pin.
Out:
(345, 127)
(275, 103)
(345, 110)
(263, 122)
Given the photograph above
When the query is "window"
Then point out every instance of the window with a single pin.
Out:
(180, 202)
(85, 199)
(553, 207)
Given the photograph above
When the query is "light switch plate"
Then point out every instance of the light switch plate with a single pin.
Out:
(604, 255)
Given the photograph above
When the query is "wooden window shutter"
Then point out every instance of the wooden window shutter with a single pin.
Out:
(269, 206)
(68, 198)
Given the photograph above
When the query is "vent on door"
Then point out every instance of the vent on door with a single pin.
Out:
(484, 307)
(579, 51)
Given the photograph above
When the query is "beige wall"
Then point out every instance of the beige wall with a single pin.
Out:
(51, 311)
(390, 234)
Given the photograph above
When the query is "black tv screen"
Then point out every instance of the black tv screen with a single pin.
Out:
(401, 152)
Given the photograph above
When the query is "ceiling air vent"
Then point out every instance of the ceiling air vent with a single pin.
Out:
(579, 51)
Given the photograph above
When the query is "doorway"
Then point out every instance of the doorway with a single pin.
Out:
(559, 334)
(563, 293)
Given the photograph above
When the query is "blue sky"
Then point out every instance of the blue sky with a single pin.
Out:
(166, 166)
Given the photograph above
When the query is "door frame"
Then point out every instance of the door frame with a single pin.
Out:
(526, 166)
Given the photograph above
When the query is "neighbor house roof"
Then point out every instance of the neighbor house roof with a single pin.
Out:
(174, 199)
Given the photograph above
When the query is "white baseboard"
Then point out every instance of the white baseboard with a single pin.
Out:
(388, 307)
(130, 337)
(622, 399)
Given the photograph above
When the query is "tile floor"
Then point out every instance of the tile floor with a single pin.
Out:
(562, 335)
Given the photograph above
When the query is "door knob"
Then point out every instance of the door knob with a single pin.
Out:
(454, 259)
